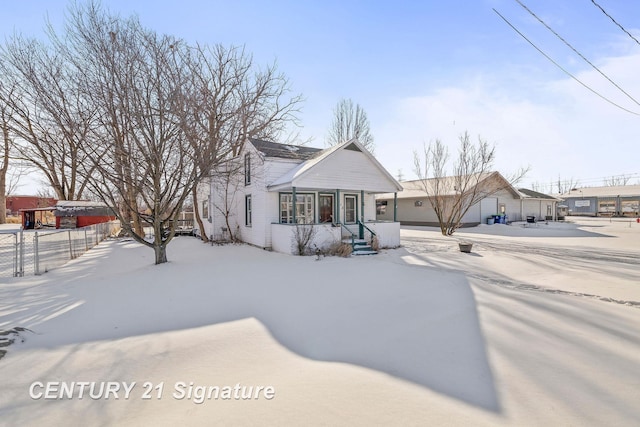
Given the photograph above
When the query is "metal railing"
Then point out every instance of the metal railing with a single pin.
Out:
(364, 227)
(352, 234)
(36, 252)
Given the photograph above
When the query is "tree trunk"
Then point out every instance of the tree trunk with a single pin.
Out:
(3, 174)
(3, 202)
(132, 206)
(161, 253)
(3, 197)
(196, 214)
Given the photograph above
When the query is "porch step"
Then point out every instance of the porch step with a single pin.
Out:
(364, 252)
(356, 241)
(360, 247)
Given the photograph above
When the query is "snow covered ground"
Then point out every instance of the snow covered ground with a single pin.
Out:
(538, 325)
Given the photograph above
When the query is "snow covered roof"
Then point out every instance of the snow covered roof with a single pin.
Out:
(415, 189)
(79, 203)
(284, 151)
(530, 194)
(612, 191)
(81, 208)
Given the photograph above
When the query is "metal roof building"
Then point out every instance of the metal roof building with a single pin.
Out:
(622, 200)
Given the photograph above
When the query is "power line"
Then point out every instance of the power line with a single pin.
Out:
(575, 50)
(579, 181)
(561, 68)
(615, 22)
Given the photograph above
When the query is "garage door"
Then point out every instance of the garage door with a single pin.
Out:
(488, 206)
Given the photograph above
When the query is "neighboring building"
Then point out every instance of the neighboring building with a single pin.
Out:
(270, 187)
(67, 214)
(540, 205)
(623, 200)
(15, 203)
(414, 207)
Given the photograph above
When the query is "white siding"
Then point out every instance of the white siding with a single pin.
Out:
(488, 207)
(256, 233)
(275, 168)
(265, 204)
(351, 170)
(218, 206)
(388, 233)
(511, 203)
(283, 237)
(538, 208)
(408, 212)
(472, 215)
(204, 199)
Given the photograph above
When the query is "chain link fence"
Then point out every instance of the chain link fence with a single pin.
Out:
(36, 252)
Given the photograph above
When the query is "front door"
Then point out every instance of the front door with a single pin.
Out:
(326, 208)
(350, 211)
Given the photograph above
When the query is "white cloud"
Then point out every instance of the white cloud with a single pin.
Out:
(557, 127)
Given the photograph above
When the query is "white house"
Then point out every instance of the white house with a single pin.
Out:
(500, 198)
(265, 194)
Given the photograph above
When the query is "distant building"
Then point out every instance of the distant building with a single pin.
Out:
(15, 203)
(501, 199)
(622, 200)
(67, 214)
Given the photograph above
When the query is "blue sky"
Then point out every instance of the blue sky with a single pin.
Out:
(425, 70)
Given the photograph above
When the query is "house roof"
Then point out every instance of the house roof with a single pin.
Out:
(284, 151)
(305, 168)
(76, 208)
(613, 191)
(415, 189)
(81, 208)
(79, 203)
(535, 195)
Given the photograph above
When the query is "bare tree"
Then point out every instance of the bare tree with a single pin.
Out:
(303, 236)
(471, 179)
(234, 101)
(49, 118)
(139, 85)
(226, 178)
(107, 50)
(617, 180)
(4, 158)
(350, 122)
(564, 186)
(136, 117)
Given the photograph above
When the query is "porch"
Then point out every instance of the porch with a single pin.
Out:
(285, 236)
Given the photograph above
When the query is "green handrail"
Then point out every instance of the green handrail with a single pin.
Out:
(353, 239)
(361, 224)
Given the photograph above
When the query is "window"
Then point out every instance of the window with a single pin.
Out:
(247, 210)
(305, 208)
(350, 211)
(326, 208)
(606, 206)
(205, 209)
(247, 169)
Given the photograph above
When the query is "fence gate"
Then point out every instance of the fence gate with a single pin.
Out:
(36, 252)
(11, 254)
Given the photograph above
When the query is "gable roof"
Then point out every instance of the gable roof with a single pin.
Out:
(612, 191)
(305, 168)
(415, 189)
(535, 195)
(283, 151)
